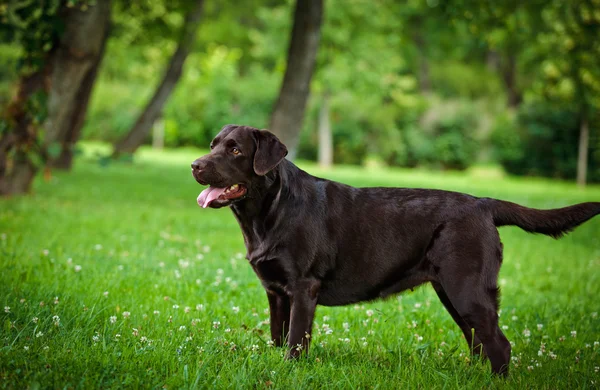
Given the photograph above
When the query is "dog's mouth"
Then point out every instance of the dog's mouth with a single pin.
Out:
(219, 197)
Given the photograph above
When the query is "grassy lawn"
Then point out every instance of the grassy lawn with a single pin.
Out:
(113, 277)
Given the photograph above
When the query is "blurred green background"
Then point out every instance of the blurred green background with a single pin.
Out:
(415, 83)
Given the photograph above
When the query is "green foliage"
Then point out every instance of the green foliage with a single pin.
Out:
(35, 27)
(383, 64)
(103, 241)
(457, 79)
(210, 94)
(543, 140)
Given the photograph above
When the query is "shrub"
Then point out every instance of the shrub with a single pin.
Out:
(543, 140)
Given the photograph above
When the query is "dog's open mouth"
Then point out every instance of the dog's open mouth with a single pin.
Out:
(220, 196)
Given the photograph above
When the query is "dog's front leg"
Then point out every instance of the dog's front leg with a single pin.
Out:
(279, 309)
(303, 298)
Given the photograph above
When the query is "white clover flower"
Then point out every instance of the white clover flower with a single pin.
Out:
(135, 332)
(369, 312)
(105, 293)
(235, 309)
(56, 320)
(182, 328)
(39, 334)
(156, 312)
(187, 309)
(98, 247)
(216, 324)
(526, 332)
(26, 347)
(504, 327)
(514, 318)
(540, 326)
(96, 338)
(573, 333)
(126, 314)
(143, 339)
(113, 319)
(199, 307)
(77, 268)
(270, 343)
(7, 309)
(35, 320)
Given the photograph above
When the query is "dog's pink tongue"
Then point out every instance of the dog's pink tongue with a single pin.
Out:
(208, 195)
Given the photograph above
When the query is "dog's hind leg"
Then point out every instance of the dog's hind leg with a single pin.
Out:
(475, 344)
(466, 258)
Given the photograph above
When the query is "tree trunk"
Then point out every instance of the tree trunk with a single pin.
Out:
(74, 70)
(582, 155)
(492, 60)
(422, 63)
(142, 127)
(288, 113)
(325, 136)
(158, 134)
(18, 144)
(509, 77)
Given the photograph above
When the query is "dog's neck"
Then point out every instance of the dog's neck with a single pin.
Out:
(257, 213)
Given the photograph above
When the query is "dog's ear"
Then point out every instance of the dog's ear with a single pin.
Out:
(269, 152)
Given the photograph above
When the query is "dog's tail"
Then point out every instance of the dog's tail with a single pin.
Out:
(554, 222)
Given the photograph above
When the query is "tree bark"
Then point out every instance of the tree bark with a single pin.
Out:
(422, 63)
(325, 136)
(18, 144)
(142, 127)
(509, 77)
(288, 113)
(582, 155)
(74, 70)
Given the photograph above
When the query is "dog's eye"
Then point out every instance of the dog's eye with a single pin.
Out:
(212, 146)
(235, 151)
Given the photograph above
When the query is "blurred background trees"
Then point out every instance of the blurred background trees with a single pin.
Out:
(414, 83)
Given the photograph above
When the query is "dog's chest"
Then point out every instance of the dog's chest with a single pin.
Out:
(272, 273)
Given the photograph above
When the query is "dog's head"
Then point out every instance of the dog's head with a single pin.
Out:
(239, 156)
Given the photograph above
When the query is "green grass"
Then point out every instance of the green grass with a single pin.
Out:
(102, 241)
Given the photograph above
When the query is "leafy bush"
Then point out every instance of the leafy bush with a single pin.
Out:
(446, 138)
(543, 140)
(210, 94)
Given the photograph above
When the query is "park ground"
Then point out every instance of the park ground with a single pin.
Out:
(113, 277)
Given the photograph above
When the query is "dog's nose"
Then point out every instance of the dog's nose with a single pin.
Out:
(196, 165)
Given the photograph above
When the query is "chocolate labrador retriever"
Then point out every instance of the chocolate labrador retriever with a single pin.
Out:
(314, 241)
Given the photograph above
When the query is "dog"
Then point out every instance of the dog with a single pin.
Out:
(314, 241)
